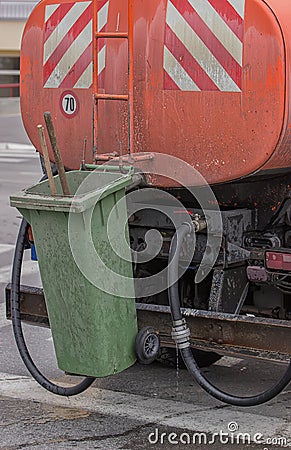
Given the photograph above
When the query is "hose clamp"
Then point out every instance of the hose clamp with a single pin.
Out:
(181, 334)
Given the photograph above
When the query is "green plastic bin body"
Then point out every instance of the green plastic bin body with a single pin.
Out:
(93, 331)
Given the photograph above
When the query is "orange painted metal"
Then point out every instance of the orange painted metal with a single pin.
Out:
(114, 35)
(111, 97)
(281, 156)
(35, 99)
(131, 137)
(224, 135)
(127, 97)
(95, 77)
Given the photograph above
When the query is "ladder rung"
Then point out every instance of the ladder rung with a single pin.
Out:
(111, 97)
(116, 35)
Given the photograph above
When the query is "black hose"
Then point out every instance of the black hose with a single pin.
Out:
(17, 327)
(181, 336)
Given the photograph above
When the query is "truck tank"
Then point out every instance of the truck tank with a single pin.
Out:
(211, 81)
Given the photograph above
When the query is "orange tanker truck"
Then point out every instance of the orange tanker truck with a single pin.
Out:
(186, 106)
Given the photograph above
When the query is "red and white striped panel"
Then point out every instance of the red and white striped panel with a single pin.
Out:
(67, 57)
(203, 48)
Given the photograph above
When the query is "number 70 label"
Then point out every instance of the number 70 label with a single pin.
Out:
(69, 104)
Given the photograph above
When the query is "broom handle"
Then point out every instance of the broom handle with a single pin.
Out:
(46, 159)
(56, 152)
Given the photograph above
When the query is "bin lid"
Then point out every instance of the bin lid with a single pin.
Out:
(87, 189)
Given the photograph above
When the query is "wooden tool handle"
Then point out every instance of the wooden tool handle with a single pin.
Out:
(46, 159)
(56, 152)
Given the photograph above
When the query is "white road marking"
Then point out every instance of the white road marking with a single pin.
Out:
(6, 248)
(29, 268)
(10, 376)
(5, 274)
(12, 149)
(228, 361)
(3, 321)
(29, 174)
(186, 416)
(16, 153)
(15, 146)
(12, 160)
(31, 182)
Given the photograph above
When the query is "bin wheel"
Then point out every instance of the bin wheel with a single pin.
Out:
(147, 345)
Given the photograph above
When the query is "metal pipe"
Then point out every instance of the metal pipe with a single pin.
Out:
(56, 152)
(106, 167)
(46, 160)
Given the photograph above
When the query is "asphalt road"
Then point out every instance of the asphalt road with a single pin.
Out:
(143, 407)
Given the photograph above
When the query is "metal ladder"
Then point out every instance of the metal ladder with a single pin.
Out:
(98, 96)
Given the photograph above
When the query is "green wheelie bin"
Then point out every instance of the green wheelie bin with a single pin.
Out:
(82, 246)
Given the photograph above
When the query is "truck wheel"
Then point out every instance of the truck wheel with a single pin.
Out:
(147, 345)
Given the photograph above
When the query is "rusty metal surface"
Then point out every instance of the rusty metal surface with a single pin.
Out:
(146, 214)
(227, 288)
(225, 333)
(255, 131)
(32, 305)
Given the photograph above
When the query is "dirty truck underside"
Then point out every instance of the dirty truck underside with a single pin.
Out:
(244, 305)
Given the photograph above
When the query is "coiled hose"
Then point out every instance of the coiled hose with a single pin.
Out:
(17, 327)
(181, 335)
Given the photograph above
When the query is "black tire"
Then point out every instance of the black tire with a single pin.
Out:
(168, 357)
(147, 345)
